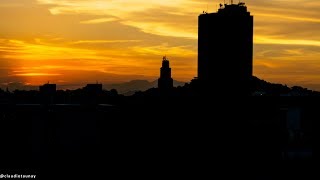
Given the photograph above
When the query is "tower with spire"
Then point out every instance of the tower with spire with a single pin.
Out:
(165, 81)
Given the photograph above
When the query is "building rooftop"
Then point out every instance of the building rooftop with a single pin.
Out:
(240, 7)
(230, 9)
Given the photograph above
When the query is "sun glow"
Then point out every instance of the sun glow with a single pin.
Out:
(36, 74)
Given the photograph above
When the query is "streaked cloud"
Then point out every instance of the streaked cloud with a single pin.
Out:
(17, 49)
(303, 19)
(149, 16)
(266, 40)
(36, 74)
(97, 21)
(103, 41)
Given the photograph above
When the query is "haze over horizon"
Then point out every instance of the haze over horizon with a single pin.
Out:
(84, 41)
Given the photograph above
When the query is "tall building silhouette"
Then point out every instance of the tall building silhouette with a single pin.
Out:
(225, 49)
(165, 81)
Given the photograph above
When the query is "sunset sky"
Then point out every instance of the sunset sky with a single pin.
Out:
(74, 42)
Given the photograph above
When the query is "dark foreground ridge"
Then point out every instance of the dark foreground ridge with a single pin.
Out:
(159, 134)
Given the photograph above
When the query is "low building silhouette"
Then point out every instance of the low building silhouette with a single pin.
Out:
(165, 81)
(48, 93)
(93, 88)
(92, 93)
(48, 88)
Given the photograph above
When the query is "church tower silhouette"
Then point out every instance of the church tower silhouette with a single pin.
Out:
(165, 81)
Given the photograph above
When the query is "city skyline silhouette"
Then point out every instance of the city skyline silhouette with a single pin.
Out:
(232, 125)
(119, 45)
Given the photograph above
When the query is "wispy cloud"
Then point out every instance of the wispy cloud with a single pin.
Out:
(97, 21)
(132, 13)
(103, 41)
(163, 49)
(301, 42)
(36, 74)
(17, 49)
(295, 18)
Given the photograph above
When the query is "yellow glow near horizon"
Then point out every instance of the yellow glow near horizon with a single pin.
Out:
(36, 74)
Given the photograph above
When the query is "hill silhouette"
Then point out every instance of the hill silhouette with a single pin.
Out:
(129, 88)
(273, 89)
(258, 87)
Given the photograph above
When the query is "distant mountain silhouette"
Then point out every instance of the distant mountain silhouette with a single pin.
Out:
(129, 88)
(19, 85)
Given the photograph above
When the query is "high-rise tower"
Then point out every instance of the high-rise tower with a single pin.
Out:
(225, 49)
(165, 81)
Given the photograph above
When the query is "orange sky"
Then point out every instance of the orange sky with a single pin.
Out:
(72, 42)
